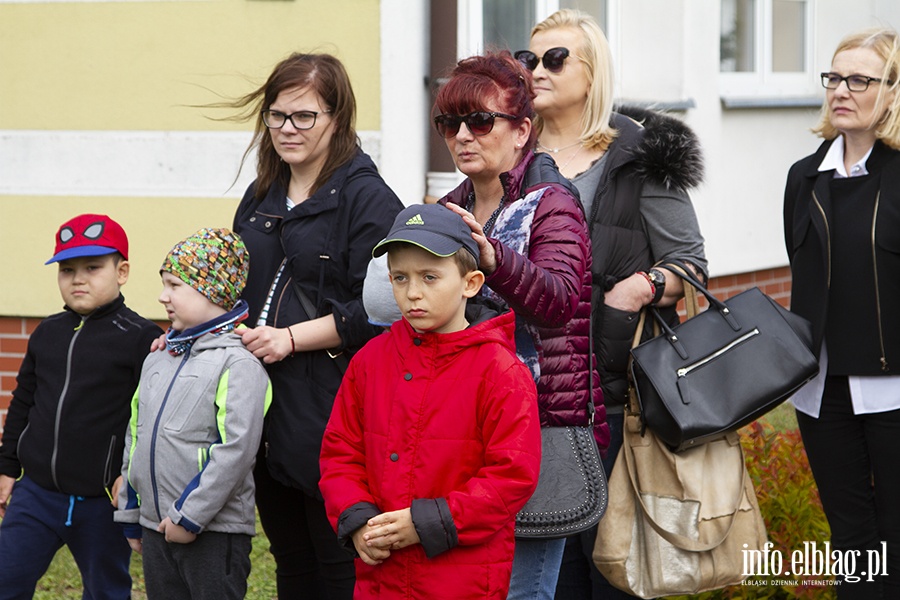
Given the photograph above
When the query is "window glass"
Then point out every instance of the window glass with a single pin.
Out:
(595, 8)
(737, 48)
(507, 24)
(788, 36)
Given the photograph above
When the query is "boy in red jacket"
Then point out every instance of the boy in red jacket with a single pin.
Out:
(434, 442)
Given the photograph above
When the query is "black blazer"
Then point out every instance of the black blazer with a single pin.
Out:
(807, 235)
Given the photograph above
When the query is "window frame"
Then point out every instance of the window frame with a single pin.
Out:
(470, 17)
(763, 81)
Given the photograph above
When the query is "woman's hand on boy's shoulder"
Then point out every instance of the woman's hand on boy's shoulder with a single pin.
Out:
(269, 344)
(158, 344)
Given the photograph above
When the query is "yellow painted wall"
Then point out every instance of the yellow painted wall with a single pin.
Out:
(136, 65)
(153, 225)
(139, 66)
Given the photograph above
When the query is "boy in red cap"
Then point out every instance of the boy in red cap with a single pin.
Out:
(64, 435)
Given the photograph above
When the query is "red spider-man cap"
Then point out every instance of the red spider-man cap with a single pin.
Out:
(89, 235)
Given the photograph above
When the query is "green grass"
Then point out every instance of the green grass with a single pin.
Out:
(63, 580)
(782, 417)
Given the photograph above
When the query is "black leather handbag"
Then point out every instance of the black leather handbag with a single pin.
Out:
(722, 368)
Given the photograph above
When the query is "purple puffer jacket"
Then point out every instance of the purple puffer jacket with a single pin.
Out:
(551, 289)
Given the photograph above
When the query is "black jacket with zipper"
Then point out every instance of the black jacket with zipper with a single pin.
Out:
(66, 422)
(326, 244)
(808, 232)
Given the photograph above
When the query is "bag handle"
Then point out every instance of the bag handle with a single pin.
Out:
(680, 541)
(682, 270)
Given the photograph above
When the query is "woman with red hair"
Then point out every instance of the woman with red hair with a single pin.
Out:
(535, 253)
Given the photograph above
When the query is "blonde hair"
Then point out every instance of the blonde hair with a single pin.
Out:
(885, 43)
(596, 131)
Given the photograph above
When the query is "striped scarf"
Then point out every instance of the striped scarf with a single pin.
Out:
(179, 342)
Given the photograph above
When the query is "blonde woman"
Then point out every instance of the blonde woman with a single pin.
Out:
(633, 172)
(842, 231)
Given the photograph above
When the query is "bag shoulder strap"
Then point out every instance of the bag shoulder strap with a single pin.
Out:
(680, 541)
(339, 358)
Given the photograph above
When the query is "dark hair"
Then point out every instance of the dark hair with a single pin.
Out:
(495, 75)
(327, 76)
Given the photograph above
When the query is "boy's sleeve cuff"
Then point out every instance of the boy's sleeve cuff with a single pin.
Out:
(433, 522)
(178, 518)
(127, 516)
(352, 519)
(133, 531)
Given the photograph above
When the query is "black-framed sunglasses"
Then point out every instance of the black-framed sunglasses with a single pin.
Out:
(553, 59)
(303, 119)
(855, 83)
(479, 122)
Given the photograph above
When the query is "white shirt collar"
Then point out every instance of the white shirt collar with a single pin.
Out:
(834, 159)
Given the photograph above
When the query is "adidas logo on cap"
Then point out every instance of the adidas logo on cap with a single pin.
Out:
(431, 227)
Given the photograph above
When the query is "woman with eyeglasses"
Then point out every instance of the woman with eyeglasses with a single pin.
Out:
(535, 254)
(633, 169)
(842, 232)
(310, 220)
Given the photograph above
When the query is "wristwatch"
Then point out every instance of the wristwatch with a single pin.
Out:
(658, 280)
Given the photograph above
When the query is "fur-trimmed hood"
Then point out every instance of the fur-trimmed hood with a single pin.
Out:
(665, 149)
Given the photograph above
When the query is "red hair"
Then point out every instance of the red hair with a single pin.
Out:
(477, 80)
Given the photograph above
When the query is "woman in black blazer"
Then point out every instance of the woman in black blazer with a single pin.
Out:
(842, 232)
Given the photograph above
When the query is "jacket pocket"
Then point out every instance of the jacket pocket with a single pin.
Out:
(109, 471)
(887, 227)
(182, 407)
(614, 345)
(263, 223)
(800, 229)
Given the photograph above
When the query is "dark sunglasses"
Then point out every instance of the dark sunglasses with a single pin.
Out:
(553, 59)
(478, 122)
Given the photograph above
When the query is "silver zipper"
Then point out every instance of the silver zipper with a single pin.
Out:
(685, 370)
(884, 365)
(827, 238)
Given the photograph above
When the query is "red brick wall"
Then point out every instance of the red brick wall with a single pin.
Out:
(14, 331)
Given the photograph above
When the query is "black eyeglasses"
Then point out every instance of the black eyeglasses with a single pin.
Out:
(303, 119)
(553, 59)
(478, 122)
(855, 83)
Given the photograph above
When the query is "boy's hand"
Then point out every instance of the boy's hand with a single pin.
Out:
(114, 493)
(137, 545)
(175, 533)
(369, 554)
(6, 486)
(392, 530)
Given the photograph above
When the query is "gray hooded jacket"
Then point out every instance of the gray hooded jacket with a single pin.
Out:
(196, 422)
